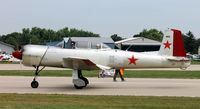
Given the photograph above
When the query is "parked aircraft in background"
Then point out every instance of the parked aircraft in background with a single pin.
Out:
(171, 55)
(8, 58)
(194, 57)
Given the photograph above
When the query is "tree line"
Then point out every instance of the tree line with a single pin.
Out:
(41, 36)
(38, 35)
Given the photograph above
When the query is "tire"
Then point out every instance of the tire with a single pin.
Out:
(78, 87)
(85, 80)
(34, 84)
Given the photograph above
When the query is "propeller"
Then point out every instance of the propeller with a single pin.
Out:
(18, 54)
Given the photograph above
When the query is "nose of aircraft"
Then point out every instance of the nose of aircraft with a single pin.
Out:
(17, 54)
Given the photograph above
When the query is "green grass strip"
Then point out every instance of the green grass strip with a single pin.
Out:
(128, 74)
(195, 62)
(41, 101)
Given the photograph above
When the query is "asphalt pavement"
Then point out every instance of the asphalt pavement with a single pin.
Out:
(103, 86)
(100, 86)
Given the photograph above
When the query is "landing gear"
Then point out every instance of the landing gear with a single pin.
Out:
(78, 79)
(34, 83)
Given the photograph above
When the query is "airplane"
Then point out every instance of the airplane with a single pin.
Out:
(171, 55)
(6, 57)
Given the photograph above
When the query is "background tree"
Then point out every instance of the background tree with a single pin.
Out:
(34, 40)
(115, 37)
(191, 44)
(198, 42)
(153, 34)
(63, 33)
(38, 35)
(42, 36)
(12, 39)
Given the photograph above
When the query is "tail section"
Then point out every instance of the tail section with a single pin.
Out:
(172, 44)
(179, 49)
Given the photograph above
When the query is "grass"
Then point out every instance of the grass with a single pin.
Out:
(128, 74)
(42, 101)
(59, 73)
(195, 62)
(164, 74)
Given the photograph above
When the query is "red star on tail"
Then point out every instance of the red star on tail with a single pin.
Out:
(167, 44)
(132, 60)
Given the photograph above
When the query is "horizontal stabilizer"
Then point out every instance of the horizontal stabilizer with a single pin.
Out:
(178, 59)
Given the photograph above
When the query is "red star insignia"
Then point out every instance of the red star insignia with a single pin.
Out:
(167, 44)
(132, 60)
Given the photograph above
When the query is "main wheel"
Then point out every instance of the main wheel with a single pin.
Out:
(78, 87)
(85, 80)
(34, 84)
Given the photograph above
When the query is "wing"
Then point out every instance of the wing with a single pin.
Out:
(81, 63)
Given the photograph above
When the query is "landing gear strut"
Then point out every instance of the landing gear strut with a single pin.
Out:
(78, 79)
(34, 83)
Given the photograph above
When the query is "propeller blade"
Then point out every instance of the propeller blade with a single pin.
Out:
(17, 54)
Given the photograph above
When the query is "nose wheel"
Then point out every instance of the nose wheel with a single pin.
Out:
(35, 83)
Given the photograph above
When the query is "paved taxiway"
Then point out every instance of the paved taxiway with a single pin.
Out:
(105, 86)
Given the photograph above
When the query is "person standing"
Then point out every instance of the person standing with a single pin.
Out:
(121, 74)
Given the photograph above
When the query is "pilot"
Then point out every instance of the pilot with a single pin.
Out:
(73, 45)
(98, 46)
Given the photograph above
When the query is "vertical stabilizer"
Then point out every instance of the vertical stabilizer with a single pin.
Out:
(172, 44)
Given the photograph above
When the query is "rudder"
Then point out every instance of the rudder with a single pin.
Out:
(179, 49)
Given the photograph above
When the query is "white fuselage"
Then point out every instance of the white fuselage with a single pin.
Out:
(55, 57)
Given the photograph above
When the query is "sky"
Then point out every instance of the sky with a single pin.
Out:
(104, 17)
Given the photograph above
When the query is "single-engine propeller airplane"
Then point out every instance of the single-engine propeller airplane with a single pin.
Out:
(171, 55)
